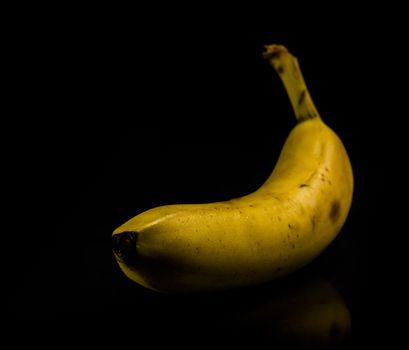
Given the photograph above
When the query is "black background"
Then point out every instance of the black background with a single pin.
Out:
(112, 114)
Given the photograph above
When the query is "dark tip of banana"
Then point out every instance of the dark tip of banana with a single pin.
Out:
(124, 245)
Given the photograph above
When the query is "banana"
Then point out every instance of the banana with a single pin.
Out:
(279, 228)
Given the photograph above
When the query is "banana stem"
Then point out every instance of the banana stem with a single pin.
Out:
(287, 67)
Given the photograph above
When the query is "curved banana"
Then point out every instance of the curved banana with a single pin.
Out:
(261, 236)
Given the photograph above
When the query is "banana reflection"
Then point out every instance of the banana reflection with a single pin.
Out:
(309, 313)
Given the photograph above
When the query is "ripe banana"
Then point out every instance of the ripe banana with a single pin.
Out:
(267, 234)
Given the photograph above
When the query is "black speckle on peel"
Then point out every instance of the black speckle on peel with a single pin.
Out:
(280, 69)
(335, 210)
(313, 222)
(304, 185)
(307, 115)
(301, 98)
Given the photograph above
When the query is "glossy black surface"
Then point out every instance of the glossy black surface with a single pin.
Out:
(116, 119)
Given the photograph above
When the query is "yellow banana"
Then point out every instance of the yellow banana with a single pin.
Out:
(261, 236)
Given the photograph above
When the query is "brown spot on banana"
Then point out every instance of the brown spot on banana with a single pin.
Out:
(313, 222)
(335, 211)
(301, 98)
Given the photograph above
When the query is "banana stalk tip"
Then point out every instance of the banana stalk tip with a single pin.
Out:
(274, 50)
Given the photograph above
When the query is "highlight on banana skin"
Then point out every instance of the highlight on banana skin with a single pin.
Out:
(258, 237)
